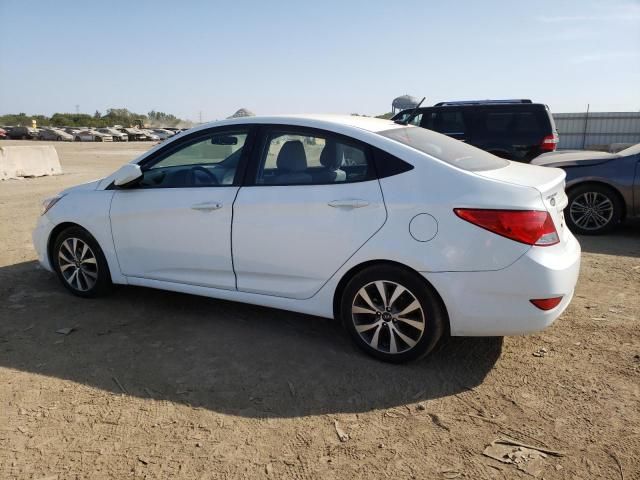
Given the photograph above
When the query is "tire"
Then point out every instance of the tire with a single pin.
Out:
(97, 139)
(92, 279)
(58, 138)
(593, 209)
(78, 139)
(415, 334)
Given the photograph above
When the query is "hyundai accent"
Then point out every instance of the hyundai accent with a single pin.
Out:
(403, 234)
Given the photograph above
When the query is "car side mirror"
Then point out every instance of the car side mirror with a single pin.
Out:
(127, 174)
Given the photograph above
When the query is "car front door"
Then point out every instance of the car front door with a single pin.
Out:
(175, 224)
(312, 200)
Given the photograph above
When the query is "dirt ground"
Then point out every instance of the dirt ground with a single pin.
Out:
(162, 385)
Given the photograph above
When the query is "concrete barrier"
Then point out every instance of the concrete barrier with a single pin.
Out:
(28, 161)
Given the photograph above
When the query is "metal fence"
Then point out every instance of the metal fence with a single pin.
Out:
(582, 130)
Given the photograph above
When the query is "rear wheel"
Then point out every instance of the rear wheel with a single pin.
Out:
(593, 209)
(78, 139)
(80, 264)
(59, 138)
(392, 314)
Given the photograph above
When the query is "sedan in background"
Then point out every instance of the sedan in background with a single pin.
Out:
(56, 134)
(603, 188)
(150, 135)
(23, 133)
(162, 133)
(402, 233)
(116, 134)
(91, 135)
(134, 134)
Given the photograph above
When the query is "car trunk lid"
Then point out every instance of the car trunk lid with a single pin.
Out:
(549, 182)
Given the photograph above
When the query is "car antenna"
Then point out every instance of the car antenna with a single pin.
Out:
(413, 113)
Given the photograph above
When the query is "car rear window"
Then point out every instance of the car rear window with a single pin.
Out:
(445, 148)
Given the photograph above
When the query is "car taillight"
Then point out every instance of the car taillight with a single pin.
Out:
(549, 143)
(533, 227)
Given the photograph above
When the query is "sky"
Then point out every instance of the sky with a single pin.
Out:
(206, 59)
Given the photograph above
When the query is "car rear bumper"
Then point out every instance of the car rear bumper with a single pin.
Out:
(497, 303)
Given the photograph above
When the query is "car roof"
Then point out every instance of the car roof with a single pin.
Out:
(309, 120)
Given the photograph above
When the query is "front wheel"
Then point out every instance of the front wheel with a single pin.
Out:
(80, 264)
(392, 313)
(593, 210)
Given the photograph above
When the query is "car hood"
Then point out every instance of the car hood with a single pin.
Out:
(83, 186)
(573, 158)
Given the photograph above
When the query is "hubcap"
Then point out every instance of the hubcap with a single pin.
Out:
(591, 210)
(388, 317)
(78, 264)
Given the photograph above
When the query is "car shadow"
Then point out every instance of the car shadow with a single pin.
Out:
(623, 241)
(223, 356)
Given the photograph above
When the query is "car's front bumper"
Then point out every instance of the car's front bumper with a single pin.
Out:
(497, 303)
(40, 238)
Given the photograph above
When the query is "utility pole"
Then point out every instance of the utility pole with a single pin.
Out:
(77, 109)
(200, 115)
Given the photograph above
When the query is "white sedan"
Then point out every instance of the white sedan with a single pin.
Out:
(403, 234)
(91, 135)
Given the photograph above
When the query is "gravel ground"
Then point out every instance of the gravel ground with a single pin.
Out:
(153, 384)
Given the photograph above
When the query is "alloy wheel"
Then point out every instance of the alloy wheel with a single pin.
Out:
(591, 211)
(388, 317)
(78, 264)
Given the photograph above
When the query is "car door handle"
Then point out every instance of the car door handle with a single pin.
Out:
(349, 203)
(207, 206)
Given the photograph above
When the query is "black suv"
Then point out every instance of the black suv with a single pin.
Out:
(513, 129)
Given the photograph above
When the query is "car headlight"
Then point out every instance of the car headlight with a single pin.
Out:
(47, 203)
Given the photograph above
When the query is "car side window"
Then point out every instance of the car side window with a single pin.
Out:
(208, 161)
(297, 158)
(446, 122)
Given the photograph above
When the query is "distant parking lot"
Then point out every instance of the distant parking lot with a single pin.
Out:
(154, 384)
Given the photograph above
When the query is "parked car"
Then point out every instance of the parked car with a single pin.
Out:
(54, 134)
(133, 133)
(116, 134)
(92, 136)
(162, 134)
(402, 233)
(23, 133)
(72, 130)
(603, 188)
(150, 135)
(517, 130)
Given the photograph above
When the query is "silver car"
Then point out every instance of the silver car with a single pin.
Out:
(117, 135)
(603, 188)
(90, 135)
(54, 134)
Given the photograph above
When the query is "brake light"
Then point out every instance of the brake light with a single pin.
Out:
(546, 303)
(549, 143)
(533, 227)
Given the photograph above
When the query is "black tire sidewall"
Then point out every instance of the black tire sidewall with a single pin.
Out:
(435, 314)
(103, 283)
(602, 190)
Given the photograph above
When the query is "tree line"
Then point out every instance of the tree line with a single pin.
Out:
(114, 116)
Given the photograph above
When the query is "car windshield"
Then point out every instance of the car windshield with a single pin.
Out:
(632, 150)
(447, 149)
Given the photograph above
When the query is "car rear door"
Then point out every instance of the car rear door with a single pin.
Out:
(310, 202)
